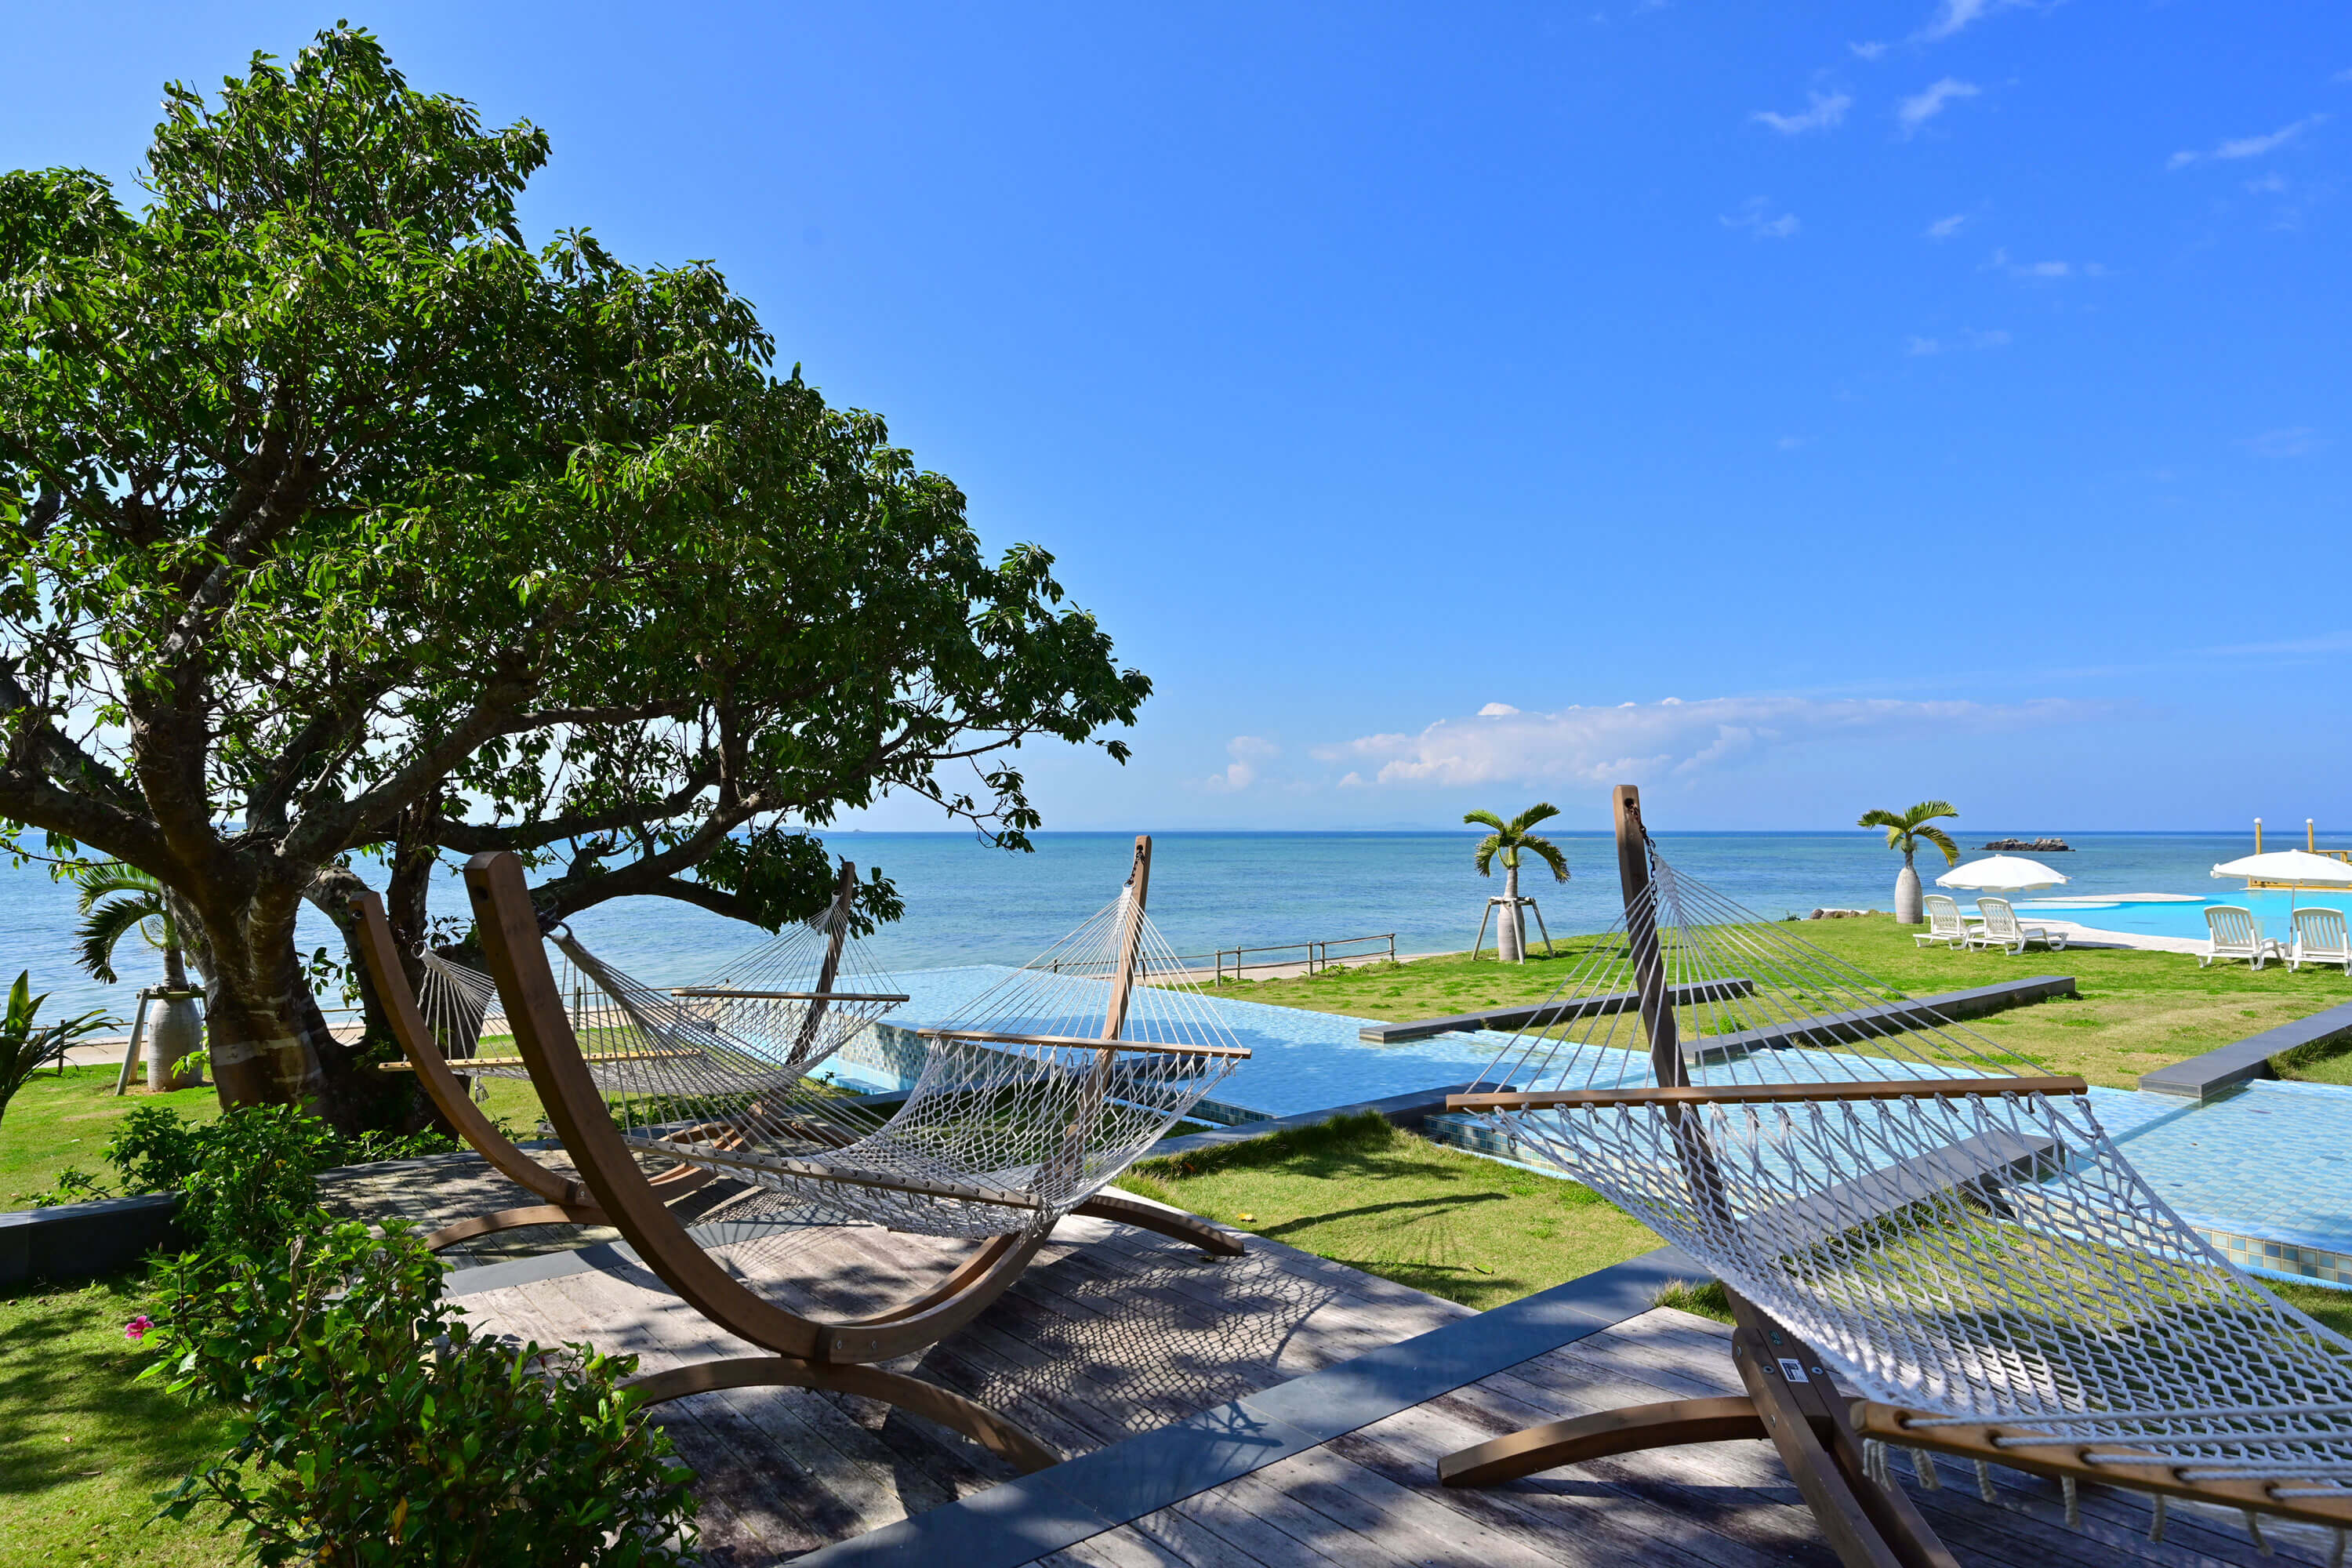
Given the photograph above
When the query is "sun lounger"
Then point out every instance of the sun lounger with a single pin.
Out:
(2319, 938)
(2236, 935)
(1944, 924)
(2001, 929)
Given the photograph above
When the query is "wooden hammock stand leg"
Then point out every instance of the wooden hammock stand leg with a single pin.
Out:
(567, 1201)
(805, 1351)
(1790, 1396)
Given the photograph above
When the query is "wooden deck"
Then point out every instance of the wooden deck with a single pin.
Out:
(1111, 1332)
(1370, 1500)
(1114, 1337)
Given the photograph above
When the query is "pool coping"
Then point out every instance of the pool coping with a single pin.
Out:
(2221, 1071)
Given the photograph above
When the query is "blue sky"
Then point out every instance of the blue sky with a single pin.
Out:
(1793, 409)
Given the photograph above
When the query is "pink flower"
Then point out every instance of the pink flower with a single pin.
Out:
(136, 1328)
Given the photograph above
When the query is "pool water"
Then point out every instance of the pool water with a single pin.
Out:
(2174, 918)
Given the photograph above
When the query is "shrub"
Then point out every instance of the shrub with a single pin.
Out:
(378, 1428)
(246, 1177)
(154, 1149)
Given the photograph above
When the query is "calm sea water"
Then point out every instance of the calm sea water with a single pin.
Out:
(967, 904)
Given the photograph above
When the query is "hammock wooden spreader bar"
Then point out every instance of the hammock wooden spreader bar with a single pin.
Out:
(1767, 1093)
(2107, 1462)
(464, 1064)
(721, 991)
(1087, 1042)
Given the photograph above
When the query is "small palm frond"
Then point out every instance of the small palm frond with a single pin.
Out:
(1487, 849)
(1549, 853)
(113, 876)
(1532, 816)
(1928, 810)
(1941, 840)
(1487, 819)
(1879, 818)
(106, 925)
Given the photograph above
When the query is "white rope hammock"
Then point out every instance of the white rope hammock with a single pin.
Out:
(1988, 1257)
(759, 1022)
(1024, 1108)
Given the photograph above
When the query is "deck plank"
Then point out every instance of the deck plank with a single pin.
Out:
(1113, 1333)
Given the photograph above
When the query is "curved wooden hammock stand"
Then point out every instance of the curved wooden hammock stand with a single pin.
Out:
(807, 1353)
(1790, 1398)
(568, 1201)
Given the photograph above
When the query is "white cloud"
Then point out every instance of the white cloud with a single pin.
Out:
(1945, 227)
(1999, 262)
(1824, 110)
(1920, 107)
(1968, 339)
(1867, 51)
(1496, 710)
(1754, 216)
(1247, 751)
(2248, 146)
(1954, 15)
(1650, 740)
(2295, 441)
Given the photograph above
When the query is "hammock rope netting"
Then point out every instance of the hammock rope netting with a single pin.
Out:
(1021, 1109)
(1982, 1258)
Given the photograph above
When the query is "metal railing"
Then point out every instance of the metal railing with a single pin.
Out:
(1318, 954)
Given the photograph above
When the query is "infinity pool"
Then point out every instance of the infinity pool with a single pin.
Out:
(2174, 918)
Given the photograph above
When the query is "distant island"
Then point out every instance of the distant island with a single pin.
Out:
(2039, 846)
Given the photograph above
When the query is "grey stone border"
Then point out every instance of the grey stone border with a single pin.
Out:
(2218, 1073)
(76, 1241)
(1405, 1110)
(1022, 1521)
(1972, 1002)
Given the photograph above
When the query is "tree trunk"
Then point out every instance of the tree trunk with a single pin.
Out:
(1907, 910)
(265, 1025)
(1511, 934)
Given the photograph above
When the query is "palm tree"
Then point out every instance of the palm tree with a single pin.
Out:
(1510, 840)
(1906, 831)
(135, 901)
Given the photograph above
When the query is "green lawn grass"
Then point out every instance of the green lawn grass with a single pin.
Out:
(58, 1122)
(84, 1449)
(1359, 1192)
(62, 1120)
(2136, 1011)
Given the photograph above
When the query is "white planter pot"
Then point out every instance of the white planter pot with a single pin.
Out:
(176, 1028)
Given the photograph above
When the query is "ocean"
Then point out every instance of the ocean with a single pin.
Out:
(968, 904)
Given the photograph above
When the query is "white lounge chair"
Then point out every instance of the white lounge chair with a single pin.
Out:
(2001, 929)
(1944, 924)
(2319, 938)
(2236, 935)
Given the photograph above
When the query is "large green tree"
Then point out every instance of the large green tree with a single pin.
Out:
(338, 521)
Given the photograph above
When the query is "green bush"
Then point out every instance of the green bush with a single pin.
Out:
(377, 1428)
(245, 1178)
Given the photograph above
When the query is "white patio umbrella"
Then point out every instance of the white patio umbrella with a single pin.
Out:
(2002, 874)
(2295, 867)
